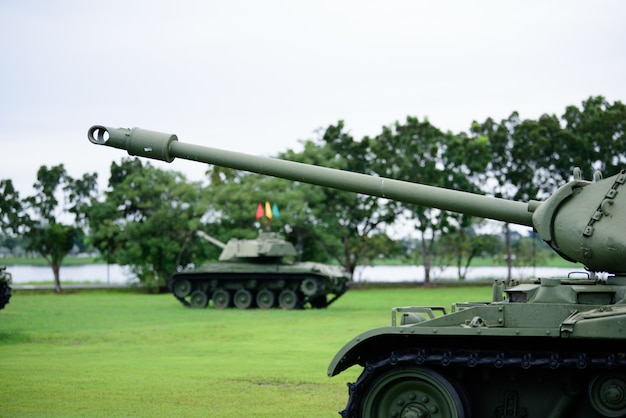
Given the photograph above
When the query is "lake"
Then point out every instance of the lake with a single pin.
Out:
(115, 274)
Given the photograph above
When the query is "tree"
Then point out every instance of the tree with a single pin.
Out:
(460, 247)
(597, 132)
(419, 152)
(529, 251)
(147, 221)
(530, 159)
(234, 203)
(380, 247)
(342, 219)
(11, 214)
(11, 209)
(500, 167)
(44, 230)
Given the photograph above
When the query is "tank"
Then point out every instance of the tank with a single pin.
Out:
(5, 287)
(552, 347)
(256, 273)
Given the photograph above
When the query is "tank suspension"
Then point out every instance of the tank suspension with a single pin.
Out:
(605, 391)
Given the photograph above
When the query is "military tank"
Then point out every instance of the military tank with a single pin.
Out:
(5, 287)
(553, 347)
(255, 273)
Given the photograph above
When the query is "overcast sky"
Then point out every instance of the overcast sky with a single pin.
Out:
(259, 76)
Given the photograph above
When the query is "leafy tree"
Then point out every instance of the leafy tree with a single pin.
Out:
(235, 205)
(11, 214)
(500, 168)
(522, 161)
(11, 209)
(419, 152)
(147, 221)
(460, 247)
(342, 219)
(530, 159)
(58, 197)
(529, 251)
(380, 247)
(323, 223)
(597, 137)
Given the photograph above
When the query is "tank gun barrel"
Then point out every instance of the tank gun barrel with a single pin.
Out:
(209, 238)
(166, 147)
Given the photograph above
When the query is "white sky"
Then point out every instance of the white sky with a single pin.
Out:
(258, 76)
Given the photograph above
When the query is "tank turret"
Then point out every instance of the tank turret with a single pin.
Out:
(269, 247)
(553, 347)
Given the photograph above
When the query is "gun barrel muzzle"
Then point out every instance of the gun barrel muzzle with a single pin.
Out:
(140, 142)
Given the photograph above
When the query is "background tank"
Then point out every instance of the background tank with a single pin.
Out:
(5, 286)
(255, 273)
(555, 347)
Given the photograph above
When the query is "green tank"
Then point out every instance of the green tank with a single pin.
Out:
(555, 347)
(255, 273)
(5, 287)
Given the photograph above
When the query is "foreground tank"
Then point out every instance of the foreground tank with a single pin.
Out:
(255, 273)
(555, 347)
(5, 287)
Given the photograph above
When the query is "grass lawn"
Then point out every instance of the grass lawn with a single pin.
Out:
(107, 353)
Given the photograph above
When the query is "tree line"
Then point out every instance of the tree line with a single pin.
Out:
(147, 217)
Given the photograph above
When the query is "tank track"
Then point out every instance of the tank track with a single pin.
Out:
(181, 300)
(315, 302)
(304, 300)
(465, 367)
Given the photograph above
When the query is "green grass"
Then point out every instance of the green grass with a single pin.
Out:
(107, 353)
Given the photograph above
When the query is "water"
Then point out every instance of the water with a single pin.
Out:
(396, 274)
(115, 274)
(90, 273)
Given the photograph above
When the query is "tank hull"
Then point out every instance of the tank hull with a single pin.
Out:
(513, 359)
(484, 376)
(244, 286)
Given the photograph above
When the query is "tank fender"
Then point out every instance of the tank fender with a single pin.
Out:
(605, 322)
(364, 346)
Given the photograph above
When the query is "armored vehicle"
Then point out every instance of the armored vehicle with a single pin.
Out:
(255, 273)
(5, 286)
(555, 347)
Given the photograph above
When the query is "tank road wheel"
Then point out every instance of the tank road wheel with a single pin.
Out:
(608, 395)
(411, 392)
(182, 288)
(265, 299)
(198, 299)
(243, 299)
(221, 299)
(288, 299)
(310, 286)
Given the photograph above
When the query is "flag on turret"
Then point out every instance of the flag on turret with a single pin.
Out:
(275, 211)
(268, 210)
